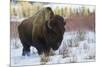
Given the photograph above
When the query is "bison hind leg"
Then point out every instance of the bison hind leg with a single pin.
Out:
(26, 50)
(26, 53)
(26, 46)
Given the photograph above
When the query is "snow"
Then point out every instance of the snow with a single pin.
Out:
(72, 50)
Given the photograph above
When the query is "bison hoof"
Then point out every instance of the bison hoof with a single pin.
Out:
(26, 53)
(44, 59)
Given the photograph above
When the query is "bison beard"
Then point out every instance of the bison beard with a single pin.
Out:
(44, 35)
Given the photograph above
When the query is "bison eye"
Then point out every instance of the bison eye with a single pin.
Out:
(64, 23)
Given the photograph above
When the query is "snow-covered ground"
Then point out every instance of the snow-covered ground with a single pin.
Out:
(75, 47)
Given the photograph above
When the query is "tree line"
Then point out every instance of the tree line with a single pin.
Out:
(26, 9)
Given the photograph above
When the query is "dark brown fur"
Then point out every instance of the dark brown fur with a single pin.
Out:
(48, 35)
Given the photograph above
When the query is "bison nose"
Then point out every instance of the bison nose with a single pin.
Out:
(56, 46)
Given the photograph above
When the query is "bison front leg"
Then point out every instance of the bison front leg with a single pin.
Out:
(51, 53)
(44, 57)
(43, 51)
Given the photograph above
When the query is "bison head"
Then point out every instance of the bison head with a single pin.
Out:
(55, 29)
(56, 24)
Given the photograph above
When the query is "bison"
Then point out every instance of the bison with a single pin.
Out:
(44, 31)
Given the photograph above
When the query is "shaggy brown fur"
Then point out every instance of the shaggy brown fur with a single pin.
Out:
(44, 31)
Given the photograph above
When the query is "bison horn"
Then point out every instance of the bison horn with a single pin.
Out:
(48, 24)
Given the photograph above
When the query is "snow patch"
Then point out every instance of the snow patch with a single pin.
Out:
(72, 50)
